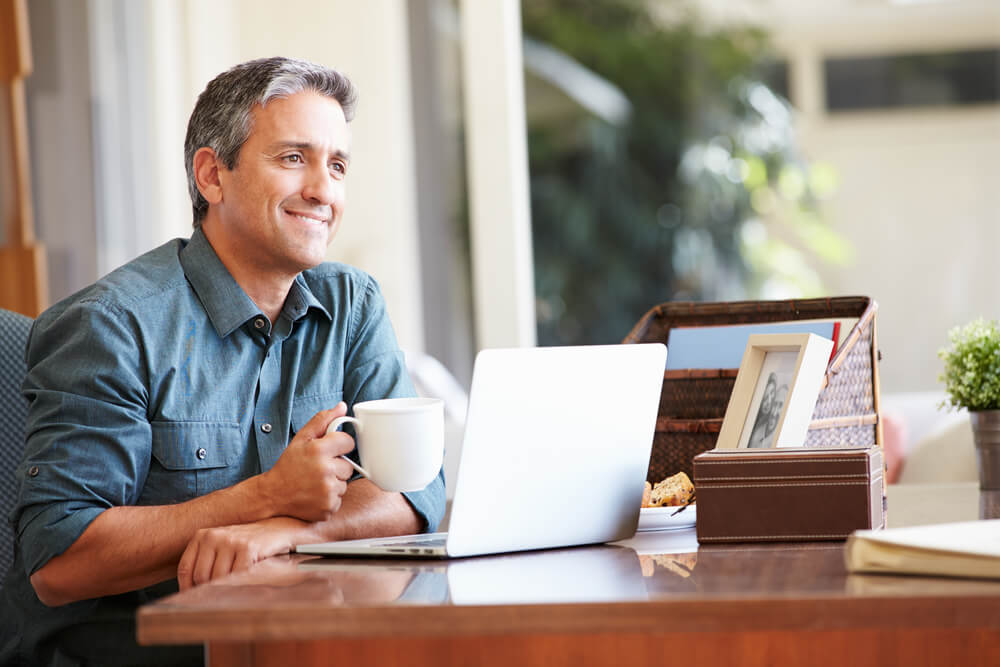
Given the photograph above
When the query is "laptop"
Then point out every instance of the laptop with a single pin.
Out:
(555, 452)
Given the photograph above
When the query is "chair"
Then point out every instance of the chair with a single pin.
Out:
(930, 444)
(13, 412)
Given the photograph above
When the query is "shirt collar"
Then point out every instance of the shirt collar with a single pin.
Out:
(227, 305)
(300, 300)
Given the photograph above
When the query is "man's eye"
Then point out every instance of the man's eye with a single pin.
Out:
(295, 159)
(338, 167)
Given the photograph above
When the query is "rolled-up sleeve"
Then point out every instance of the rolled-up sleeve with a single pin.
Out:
(87, 435)
(375, 368)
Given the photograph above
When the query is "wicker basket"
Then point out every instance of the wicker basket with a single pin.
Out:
(693, 402)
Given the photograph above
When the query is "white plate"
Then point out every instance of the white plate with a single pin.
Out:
(659, 518)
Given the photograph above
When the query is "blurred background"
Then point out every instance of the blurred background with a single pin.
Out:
(544, 172)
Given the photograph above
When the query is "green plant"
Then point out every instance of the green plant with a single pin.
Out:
(972, 366)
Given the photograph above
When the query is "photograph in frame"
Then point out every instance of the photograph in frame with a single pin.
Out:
(769, 397)
(775, 393)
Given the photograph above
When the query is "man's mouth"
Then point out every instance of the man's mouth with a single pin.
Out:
(310, 218)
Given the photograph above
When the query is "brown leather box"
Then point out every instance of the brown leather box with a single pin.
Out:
(788, 494)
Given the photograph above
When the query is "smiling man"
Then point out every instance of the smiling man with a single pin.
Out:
(179, 406)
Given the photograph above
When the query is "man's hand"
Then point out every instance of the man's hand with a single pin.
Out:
(216, 552)
(309, 478)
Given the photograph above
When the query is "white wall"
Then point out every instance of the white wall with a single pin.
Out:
(917, 196)
(918, 199)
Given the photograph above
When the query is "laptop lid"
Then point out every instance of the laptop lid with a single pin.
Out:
(556, 447)
(555, 452)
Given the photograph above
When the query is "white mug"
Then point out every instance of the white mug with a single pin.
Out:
(400, 441)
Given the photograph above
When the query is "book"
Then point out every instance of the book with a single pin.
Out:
(722, 346)
(964, 549)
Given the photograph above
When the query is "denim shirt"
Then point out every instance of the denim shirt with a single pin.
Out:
(164, 381)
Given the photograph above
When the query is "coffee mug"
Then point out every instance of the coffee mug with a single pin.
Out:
(400, 441)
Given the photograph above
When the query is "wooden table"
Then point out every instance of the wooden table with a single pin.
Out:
(655, 599)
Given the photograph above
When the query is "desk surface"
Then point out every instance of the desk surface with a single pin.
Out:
(651, 582)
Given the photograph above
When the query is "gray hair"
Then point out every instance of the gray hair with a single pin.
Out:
(222, 118)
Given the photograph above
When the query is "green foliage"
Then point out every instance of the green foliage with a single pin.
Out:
(681, 201)
(972, 366)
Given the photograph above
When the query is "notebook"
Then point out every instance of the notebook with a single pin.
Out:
(555, 452)
(963, 549)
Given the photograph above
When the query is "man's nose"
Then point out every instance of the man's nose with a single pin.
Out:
(320, 186)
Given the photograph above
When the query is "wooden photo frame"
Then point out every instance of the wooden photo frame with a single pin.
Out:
(775, 393)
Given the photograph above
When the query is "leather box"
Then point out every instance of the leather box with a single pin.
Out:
(788, 494)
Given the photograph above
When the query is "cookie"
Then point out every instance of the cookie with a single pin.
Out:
(673, 491)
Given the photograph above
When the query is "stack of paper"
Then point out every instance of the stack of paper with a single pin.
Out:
(966, 549)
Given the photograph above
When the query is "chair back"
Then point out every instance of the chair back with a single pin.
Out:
(14, 329)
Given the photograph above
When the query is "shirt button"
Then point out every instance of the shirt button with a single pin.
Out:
(259, 323)
(33, 472)
(201, 453)
(266, 428)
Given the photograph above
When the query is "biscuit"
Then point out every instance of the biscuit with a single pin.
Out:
(673, 491)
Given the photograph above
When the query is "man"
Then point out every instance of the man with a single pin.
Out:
(179, 406)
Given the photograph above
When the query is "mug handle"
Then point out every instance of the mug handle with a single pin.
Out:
(334, 425)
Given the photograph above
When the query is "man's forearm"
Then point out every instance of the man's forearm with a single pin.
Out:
(365, 511)
(368, 511)
(126, 548)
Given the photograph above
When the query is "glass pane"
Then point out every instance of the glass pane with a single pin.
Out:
(656, 148)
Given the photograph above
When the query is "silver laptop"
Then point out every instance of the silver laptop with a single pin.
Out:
(555, 452)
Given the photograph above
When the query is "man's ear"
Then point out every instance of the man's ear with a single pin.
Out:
(206, 174)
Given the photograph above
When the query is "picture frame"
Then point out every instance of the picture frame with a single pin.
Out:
(776, 388)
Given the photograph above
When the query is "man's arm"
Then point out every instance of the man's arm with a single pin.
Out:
(128, 547)
(365, 511)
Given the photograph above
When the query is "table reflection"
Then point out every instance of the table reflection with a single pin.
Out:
(650, 565)
(600, 573)
(282, 578)
(673, 563)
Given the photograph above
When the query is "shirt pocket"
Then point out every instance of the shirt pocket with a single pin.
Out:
(305, 408)
(190, 459)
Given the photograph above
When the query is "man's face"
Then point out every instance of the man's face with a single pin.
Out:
(282, 203)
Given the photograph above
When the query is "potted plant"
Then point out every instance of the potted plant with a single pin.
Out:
(972, 381)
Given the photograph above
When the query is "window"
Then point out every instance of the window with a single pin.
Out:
(913, 80)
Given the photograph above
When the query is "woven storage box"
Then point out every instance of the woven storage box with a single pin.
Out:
(693, 402)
